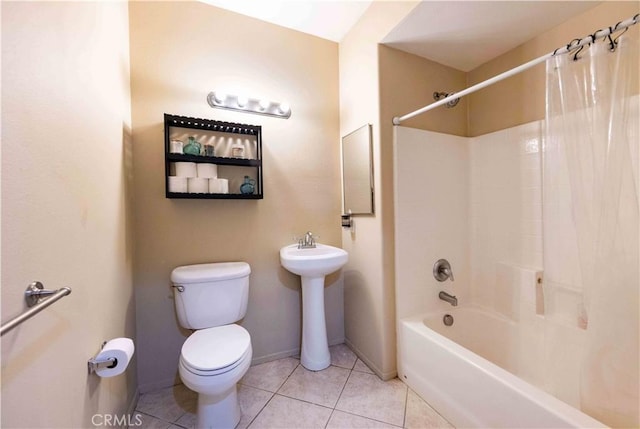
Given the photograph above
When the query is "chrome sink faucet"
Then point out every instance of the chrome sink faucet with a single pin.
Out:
(307, 242)
(451, 299)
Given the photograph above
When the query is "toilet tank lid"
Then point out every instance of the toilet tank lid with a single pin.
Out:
(200, 273)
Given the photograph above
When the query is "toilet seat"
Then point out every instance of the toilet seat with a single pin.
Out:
(214, 351)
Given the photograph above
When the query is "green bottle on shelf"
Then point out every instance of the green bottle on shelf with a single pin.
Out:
(248, 186)
(192, 147)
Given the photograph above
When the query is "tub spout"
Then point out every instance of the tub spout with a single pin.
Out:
(451, 299)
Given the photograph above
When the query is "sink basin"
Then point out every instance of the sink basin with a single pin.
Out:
(313, 262)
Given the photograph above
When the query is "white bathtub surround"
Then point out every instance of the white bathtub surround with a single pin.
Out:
(431, 218)
(518, 290)
(480, 200)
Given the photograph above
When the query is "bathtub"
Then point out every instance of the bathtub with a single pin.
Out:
(468, 387)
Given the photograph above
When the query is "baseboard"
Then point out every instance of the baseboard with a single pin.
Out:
(384, 376)
(156, 385)
(275, 356)
(289, 353)
(336, 341)
(133, 403)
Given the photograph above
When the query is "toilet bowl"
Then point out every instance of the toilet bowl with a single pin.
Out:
(212, 361)
(209, 298)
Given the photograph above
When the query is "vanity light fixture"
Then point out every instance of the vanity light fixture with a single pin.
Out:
(241, 103)
(219, 97)
(264, 104)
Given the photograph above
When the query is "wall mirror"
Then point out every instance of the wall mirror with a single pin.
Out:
(357, 172)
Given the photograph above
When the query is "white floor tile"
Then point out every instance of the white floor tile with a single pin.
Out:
(319, 387)
(362, 367)
(421, 416)
(342, 356)
(287, 413)
(368, 396)
(305, 399)
(270, 375)
(341, 420)
(168, 404)
(252, 401)
(144, 421)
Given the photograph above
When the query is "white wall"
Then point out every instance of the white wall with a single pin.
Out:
(65, 207)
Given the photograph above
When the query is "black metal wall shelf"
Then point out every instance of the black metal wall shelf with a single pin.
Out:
(174, 157)
(234, 168)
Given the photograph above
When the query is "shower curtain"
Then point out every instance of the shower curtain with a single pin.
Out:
(591, 224)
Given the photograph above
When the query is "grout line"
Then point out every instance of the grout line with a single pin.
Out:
(152, 416)
(306, 401)
(287, 378)
(370, 418)
(342, 390)
(273, 394)
(258, 413)
(329, 419)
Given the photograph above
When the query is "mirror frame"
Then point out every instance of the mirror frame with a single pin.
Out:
(364, 138)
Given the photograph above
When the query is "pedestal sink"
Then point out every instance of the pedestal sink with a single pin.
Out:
(312, 264)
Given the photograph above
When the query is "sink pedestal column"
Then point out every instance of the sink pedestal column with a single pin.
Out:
(314, 354)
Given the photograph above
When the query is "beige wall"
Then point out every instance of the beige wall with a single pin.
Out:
(407, 83)
(65, 134)
(185, 51)
(368, 291)
(520, 99)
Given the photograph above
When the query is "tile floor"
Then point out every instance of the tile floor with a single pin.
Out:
(283, 394)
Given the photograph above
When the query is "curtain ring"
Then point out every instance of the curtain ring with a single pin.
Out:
(575, 56)
(572, 46)
(615, 41)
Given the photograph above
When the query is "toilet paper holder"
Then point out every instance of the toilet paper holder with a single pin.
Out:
(106, 362)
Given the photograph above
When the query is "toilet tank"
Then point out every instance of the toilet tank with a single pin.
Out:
(208, 295)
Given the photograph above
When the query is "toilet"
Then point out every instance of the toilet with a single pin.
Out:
(209, 299)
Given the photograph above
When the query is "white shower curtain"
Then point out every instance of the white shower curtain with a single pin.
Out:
(591, 224)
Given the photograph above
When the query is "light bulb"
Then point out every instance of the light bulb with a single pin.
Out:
(284, 108)
(264, 104)
(242, 101)
(219, 97)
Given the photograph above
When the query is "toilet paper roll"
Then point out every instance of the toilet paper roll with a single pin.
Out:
(185, 169)
(197, 185)
(177, 184)
(208, 171)
(119, 348)
(214, 186)
(224, 186)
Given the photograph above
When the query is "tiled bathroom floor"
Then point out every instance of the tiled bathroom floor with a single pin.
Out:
(283, 394)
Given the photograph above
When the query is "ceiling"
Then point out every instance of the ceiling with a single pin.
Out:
(329, 19)
(459, 34)
(466, 34)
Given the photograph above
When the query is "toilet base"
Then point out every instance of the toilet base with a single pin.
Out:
(218, 411)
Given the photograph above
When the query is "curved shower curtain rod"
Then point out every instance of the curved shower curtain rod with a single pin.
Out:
(571, 47)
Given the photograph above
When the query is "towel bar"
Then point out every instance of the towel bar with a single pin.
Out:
(37, 298)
